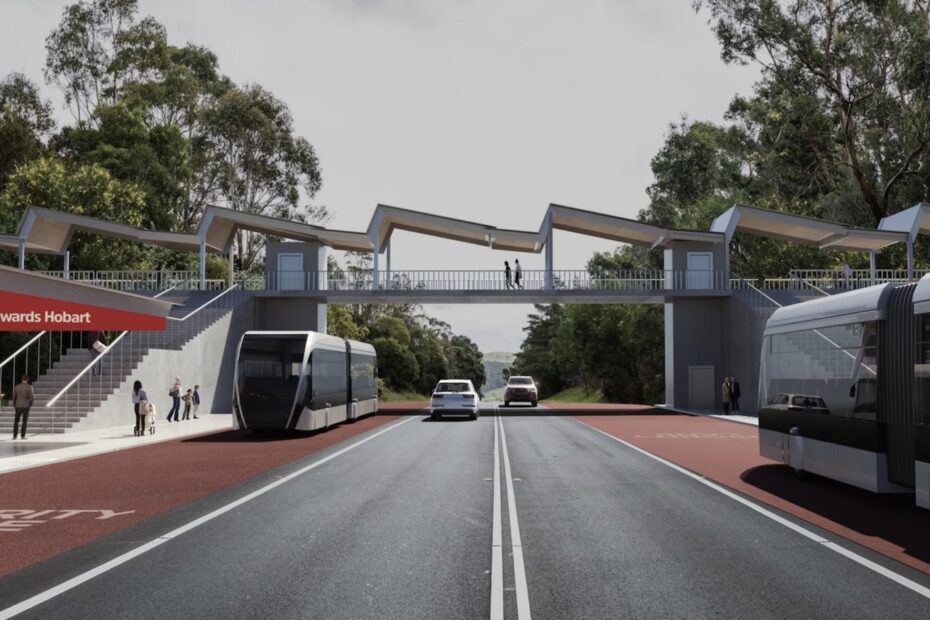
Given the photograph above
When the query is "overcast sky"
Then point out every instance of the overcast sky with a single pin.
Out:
(486, 110)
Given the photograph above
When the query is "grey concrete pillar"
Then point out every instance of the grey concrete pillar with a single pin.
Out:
(67, 264)
(232, 268)
(387, 264)
(910, 258)
(375, 256)
(22, 253)
(549, 280)
(203, 263)
(872, 267)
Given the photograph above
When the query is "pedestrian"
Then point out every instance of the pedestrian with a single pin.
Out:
(196, 400)
(726, 395)
(518, 272)
(507, 280)
(736, 394)
(847, 275)
(175, 394)
(97, 346)
(24, 397)
(139, 401)
(187, 398)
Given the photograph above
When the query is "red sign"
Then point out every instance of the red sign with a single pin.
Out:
(27, 313)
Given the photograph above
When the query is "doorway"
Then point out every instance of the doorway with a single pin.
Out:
(700, 271)
(290, 272)
(701, 387)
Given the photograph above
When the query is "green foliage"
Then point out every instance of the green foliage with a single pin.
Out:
(340, 322)
(84, 190)
(397, 365)
(25, 121)
(465, 361)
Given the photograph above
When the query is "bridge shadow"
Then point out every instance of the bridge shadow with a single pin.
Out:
(890, 517)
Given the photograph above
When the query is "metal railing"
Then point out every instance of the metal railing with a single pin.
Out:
(105, 373)
(841, 279)
(139, 281)
(489, 280)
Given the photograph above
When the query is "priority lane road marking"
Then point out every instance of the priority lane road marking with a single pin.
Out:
(84, 577)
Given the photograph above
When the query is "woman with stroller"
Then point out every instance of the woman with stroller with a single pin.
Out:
(138, 398)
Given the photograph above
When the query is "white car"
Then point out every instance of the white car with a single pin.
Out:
(454, 397)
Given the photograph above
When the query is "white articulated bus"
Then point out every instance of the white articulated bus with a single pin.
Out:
(302, 381)
(844, 388)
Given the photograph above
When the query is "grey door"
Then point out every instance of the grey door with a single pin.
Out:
(701, 387)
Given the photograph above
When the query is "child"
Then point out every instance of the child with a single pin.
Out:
(187, 398)
(196, 400)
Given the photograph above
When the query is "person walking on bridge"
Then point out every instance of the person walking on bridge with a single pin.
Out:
(518, 272)
(507, 281)
(24, 397)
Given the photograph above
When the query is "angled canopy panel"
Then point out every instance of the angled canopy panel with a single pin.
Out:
(801, 229)
(622, 229)
(387, 219)
(219, 225)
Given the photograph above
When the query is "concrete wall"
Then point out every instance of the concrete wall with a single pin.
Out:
(694, 336)
(675, 257)
(743, 346)
(289, 313)
(314, 256)
(207, 360)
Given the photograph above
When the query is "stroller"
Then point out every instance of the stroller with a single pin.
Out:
(148, 408)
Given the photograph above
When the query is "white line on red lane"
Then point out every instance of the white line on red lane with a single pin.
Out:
(84, 577)
(855, 557)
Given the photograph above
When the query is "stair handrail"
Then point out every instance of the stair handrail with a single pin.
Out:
(22, 348)
(93, 363)
(815, 287)
(106, 350)
(753, 287)
(212, 299)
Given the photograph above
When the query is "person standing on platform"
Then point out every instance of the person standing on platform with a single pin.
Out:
(507, 281)
(518, 272)
(24, 397)
(736, 393)
(188, 398)
(726, 395)
(138, 398)
(175, 394)
(196, 400)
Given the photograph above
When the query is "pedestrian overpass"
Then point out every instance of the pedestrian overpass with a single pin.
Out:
(713, 322)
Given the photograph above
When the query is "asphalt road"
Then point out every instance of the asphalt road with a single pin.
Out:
(403, 526)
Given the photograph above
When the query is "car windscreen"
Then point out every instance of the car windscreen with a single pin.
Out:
(453, 386)
(520, 381)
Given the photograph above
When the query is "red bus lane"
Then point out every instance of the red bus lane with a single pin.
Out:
(728, 453)
(47, 510)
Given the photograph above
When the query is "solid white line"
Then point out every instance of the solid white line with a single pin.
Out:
(519, 570)
(497, 554)
(855, 557)
(74, 582)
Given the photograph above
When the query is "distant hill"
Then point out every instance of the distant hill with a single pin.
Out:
(494, 364)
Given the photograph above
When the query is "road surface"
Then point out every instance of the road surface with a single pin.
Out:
(416, 522)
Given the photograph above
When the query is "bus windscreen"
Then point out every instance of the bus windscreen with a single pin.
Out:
(269, 373)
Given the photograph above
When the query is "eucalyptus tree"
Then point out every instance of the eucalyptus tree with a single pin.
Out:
(25, 123)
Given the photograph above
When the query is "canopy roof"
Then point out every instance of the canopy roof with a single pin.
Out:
(912, 221)
(800, 229)
(866, 304)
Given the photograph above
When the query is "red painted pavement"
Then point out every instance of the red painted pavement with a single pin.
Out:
(728, 453)
(149, 480)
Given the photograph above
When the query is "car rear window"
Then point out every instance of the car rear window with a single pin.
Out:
(450, 386)
(521, 381)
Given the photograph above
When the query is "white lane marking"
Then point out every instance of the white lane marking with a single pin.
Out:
(74, 582)
(497, 558)
(519, 570)
(855, 557)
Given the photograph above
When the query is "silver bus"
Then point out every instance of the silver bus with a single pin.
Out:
(302, 381)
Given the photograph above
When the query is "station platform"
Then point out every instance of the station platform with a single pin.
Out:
(44, 449)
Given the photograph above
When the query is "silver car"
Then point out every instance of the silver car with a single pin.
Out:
(454, 397)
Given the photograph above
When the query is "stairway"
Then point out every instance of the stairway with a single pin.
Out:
(118, 365)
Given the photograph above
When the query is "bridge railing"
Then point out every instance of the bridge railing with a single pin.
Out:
(839, 279)
(138, 280)
(489, 280)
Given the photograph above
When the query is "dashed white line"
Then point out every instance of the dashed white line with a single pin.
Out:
(855, 557)
(84, 577)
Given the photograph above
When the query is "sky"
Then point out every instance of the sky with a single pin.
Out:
(485, 110)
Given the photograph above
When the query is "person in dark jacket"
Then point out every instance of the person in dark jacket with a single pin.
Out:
(139, 398)
(726, 395)
(735, 397)
(24, 397)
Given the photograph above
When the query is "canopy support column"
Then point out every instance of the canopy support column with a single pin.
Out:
(203, 263)
(387, 261)
(375, 256)
(872, 267)
(67, 265)
(910, 257)
(22, 253)
(232, 268)
(549, 280)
